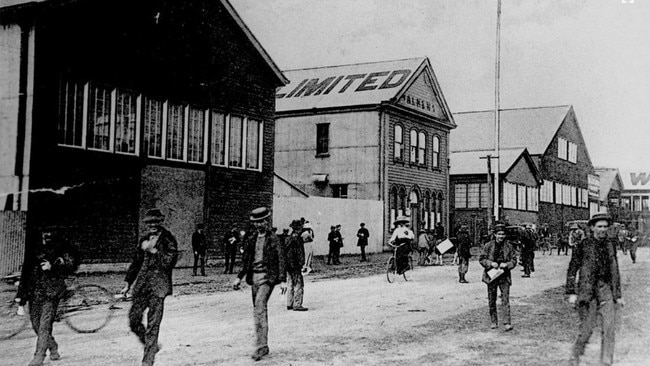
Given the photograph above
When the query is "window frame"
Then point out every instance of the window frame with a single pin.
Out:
(323, 142)
(259, 143)
(422, 148)
(435, 148)
(137, 122)
(398, 144)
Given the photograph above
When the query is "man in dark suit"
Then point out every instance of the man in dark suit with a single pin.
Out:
(42, 284)
(264, 268)
(362, 242)
(499, 254)
(150, 278)
(599, 288)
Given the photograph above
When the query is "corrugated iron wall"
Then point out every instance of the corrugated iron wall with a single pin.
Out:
(12, 240)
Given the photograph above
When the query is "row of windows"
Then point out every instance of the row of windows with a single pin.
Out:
(520, 197)
(567, 150)
(429, 208)
(636, 203)
(110, 119)
(563, 194)
(418, 144)
(471, 195)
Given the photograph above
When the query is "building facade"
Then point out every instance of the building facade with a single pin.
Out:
(553, 138)
(635, 198)
(372, 131)
(172, 107)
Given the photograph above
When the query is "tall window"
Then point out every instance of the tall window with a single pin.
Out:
(236, 141)
(153, 124)
(422, 148)
(125, 121)
(399, 142)
(175, 133)
(253, 144)
(195, 135)
(414, 145)
(484, 195)
(99, 118)
(322, 138)
(573, 152)
(218, 138)
(558, 192)
(460, 195)
(521, 197)
(546, 192)
(509, 195)
(473, 195)
(561, 148)
(71, 103)
(436, 152)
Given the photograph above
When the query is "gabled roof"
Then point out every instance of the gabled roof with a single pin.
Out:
(470, 162)
(533, 128)
(609, 178)
(17, 4)
(362, 84)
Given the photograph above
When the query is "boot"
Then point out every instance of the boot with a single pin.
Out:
(462, 279)
(37, 360)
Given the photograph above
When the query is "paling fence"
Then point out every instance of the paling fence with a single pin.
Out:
(12, 240)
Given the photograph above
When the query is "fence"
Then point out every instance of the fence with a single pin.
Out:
(12, 240)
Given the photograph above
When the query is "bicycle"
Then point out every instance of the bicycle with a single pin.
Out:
(85, 308)
(391, 265)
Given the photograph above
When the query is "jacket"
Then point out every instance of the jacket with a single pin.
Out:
(294, 251)
(363, 235)
(584, 259)
(273, 259)
(154, 271)
(487, 257)
(198, 242)
(464, 245)
(51, 283)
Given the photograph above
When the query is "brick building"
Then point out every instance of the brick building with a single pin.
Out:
(553, 138)
(370, 131)
(112, 107)
(471, 193)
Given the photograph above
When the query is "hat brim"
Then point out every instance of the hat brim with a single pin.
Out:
(260, 218)
(595, 220)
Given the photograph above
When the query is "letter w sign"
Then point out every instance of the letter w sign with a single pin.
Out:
(643, 178)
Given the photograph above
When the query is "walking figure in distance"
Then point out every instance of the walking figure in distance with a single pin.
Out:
(363, 234)
(464, 244)
(264, 268)
(199, 247)
(599, 288)
(499, 253)
(42, 284)
(150, 277)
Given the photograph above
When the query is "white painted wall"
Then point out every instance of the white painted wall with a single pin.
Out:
(324, 212)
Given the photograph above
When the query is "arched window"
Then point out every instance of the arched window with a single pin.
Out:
(402, 202)
(399, 142)
(422, 148)
(426, 210)
(439, 208)
(436, 152)
(414, 145)
(392, 204)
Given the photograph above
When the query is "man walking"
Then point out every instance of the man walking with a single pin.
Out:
(199, 247)
(363, 234)
(150, 277)
(294, 251)
(264, 268)
(527, 250)
(632, 242)
(42, 284)
(498, 258)
(464, 244)
(599, 288)
(230, 244)
(334, 239)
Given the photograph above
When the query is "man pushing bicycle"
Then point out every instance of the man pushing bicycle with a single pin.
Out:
(47, 263)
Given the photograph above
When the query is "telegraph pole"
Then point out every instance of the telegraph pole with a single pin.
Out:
(489, 182)
(497, 122)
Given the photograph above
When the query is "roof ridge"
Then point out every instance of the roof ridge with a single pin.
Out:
(357, 63)
(515, 109)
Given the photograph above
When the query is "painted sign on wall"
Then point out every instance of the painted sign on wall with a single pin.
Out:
(347, 83)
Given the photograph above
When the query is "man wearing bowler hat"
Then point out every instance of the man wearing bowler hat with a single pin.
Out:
(500, 255)
(150, 277)
(599, 288)
(42, 285)
(263, 266)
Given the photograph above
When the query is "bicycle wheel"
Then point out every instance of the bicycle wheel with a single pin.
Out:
(391, 270)
(410, 267)
(88, 309)
(11, 322)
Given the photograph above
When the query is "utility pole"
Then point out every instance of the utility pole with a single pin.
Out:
(491, 198)
(497, 121)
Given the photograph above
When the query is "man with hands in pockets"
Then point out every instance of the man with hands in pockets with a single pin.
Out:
(263, 266)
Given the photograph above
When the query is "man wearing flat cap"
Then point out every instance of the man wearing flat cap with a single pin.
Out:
(150, 278)
(599, 288)
(294, 251)
(264, 268)
(498, 255)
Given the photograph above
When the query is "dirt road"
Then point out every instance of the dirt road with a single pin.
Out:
(431, 319)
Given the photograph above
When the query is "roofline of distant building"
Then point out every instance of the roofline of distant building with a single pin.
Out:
(516, 109)
(355, 64)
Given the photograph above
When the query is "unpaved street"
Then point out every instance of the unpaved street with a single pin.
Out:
(430, 319)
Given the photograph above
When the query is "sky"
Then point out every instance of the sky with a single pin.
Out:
(594, 55)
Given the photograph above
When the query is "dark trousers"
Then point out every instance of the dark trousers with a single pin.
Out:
(261, 295)
(527, 261)
(463, 266)
(504, 286)
(42, 313)
(295, 288)
(231, 255)
(148, 336)
(333, 255)
(633, 253)
(562, 246)
(588, 312)
(363, 252)
(199, 257)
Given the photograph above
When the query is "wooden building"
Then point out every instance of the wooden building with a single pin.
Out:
(555, 143)
(113, 107)
(370, 131)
